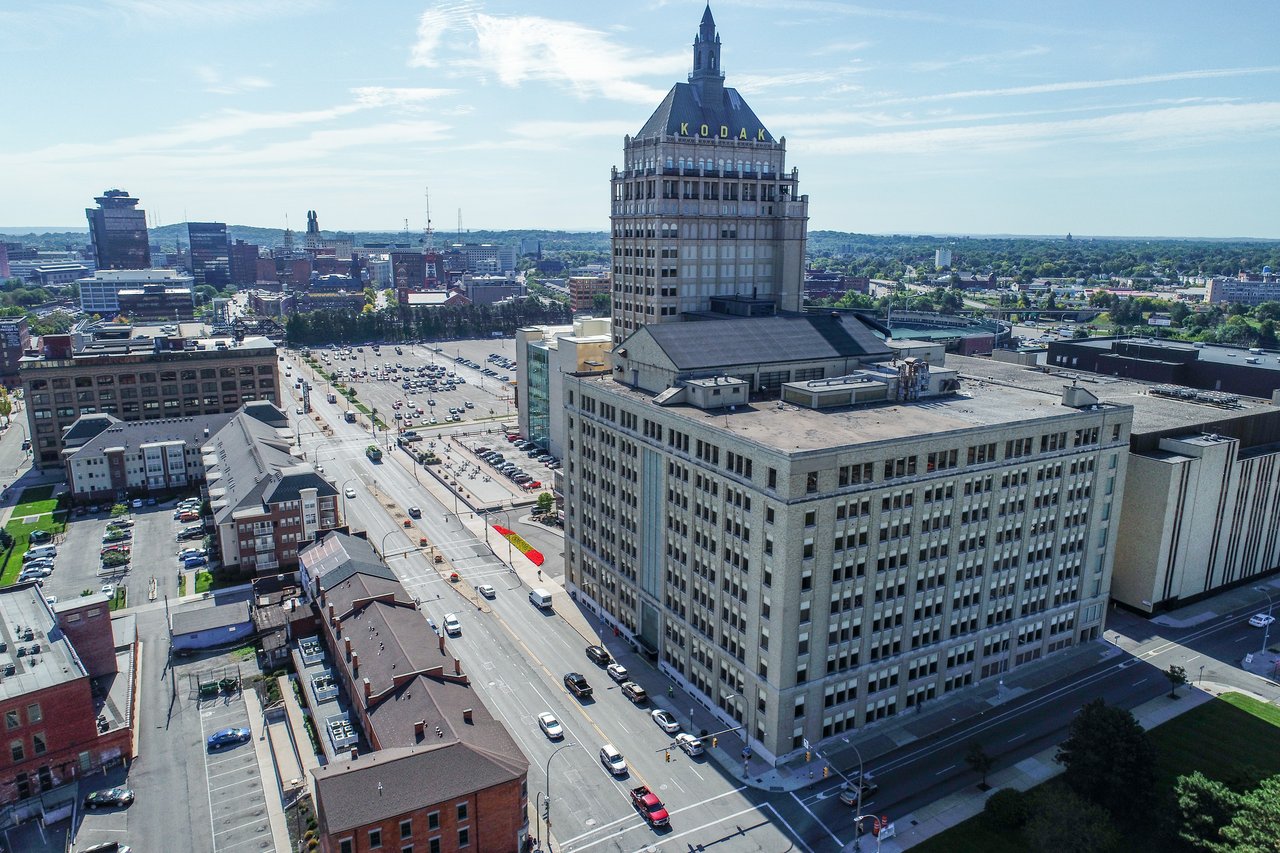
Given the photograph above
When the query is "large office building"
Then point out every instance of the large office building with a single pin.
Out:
(156, 302)
(139, 374)
(812, 528)
(118, 230)
(1179, 368)
(703, 206)
(210, 253)
(100, 292)
(544, 354)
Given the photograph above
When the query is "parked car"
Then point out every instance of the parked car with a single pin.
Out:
(120, 796)
(690, 744)
(37, 536)
(550, 725)
(194, 562)
(108, 847)
(598, 655)
(665, 721)
(617, 672)
(634, 692)
(227, 737)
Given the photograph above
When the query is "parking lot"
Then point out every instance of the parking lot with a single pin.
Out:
(237, 804)
(473, 378)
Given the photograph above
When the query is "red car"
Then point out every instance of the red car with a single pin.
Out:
(648, 804)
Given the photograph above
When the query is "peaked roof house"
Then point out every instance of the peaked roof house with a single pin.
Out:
(266, 502)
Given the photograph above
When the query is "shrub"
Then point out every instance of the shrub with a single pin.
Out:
(1007, 809)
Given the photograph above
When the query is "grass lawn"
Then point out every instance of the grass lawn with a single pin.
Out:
(1216, 738)
(204, 581)
(35, 502)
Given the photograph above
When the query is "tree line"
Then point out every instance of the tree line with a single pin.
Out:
(444, 322)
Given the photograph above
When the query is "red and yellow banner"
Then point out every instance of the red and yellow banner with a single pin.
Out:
(534, 555)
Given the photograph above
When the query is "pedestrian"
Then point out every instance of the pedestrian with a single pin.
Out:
(539, 574)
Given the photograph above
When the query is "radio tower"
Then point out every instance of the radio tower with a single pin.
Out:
(428, 233)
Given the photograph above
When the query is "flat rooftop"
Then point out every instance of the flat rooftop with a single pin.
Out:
(37, 654)
(1151, 412)
(792, 429)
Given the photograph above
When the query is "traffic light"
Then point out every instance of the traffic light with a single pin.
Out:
(826, 771)
(546, 810)
(714, 741)
(807, 755)
(666, 755)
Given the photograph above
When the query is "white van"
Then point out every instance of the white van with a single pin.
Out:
(540, 597)
(38, 552)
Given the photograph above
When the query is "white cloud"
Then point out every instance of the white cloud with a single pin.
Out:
(382, 96)
(1175, 127)
(930, 65)
(216, 84)
(521, 48)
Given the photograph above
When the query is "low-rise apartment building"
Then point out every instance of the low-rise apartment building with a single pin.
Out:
(110, 459)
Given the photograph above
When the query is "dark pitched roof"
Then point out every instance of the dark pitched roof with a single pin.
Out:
(398, 780)
(338, 556)
(267, 413)
(707, 344)
(209, 618)
(684, 105)
(193, 431)
(86, 427)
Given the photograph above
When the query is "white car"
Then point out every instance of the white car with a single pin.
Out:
(1261, 620)
(550, 725)
(350, 492)
(108, 589)
(665, 721)
(452, 626)
(613, 760)
(617, 672)
(486, 590)
(690, 744)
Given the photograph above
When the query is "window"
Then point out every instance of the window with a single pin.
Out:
(464, 837)
(433, 820)
(39, 747)
(33, 714)
(406, 828)
(375, 839)
(15, 750)
(433, 846)
(462, 812)
(811, 482)
(346, 845)
(11, 720)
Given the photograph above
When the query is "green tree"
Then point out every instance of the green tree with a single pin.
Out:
(1108, 758)
(1177, 677)
(979, 761)
(1062, 822)
(601, 304)
(546, 501)
(1203, 806)
(1007, 808)
(1255, 827)
(6, 404)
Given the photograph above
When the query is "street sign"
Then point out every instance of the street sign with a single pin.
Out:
(746, 752)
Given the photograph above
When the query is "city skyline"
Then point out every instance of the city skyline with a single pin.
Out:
(1094, 120)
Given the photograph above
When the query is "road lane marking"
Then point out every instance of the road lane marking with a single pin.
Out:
(604, 826)
(783, 821)
(945, 770)
(816, 820)
(1015, 737)
(1140, 681)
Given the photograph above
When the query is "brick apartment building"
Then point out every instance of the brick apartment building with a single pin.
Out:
(267, 504)
(444, 775)
(15, 337)
(59, 665)
(139, 373)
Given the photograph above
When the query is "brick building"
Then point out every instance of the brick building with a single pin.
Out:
(444, 774)
(15, 337)
(139, 374)
(59, 665)
(583, 289)
(267, 504)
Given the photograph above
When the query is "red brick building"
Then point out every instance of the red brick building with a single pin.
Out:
(54, 660)
(445, 774)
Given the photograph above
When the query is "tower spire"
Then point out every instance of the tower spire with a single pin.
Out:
(706, 52)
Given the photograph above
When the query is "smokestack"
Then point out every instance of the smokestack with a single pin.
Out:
(355, 662)
(419, 730)
(355, 753)
(337, 627)
(347, 640)
(331, 613)
(441, 638)
(368, 692)
(466, 716)
(457, 667)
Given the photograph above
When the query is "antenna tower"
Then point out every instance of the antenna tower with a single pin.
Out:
(428, 233)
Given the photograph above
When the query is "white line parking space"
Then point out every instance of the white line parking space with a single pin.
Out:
(237, 806)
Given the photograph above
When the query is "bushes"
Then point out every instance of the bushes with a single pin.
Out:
(1007, 808)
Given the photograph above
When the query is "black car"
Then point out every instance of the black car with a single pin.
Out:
(120, 796)
(577, 684)
(598, 655)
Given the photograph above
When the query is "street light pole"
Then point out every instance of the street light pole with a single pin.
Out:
(1266, 629)
(344, 498)
(547, 796)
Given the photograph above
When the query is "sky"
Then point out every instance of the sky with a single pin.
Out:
(1093, 117)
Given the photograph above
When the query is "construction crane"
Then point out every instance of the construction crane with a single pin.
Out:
(428, 233)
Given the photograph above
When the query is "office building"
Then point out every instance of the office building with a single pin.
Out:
(99, 293)
(583, 290)
(267, 503)
(703, 205)
(1244, 289)
(443, 774)
(812, 529)
(60, 675)
(491, 289)
(543, 355)
(139, 374)
(118, 230)
(243, 264)
(15, 337)
(4, 261)
(210, 253)
(486, 258)
(55, 275)
(156, 302)
(942, 259)
(1207, 368)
